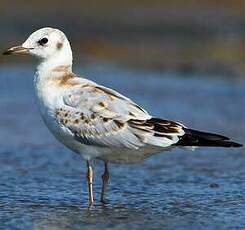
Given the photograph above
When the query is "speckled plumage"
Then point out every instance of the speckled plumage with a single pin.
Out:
(102, 119)
(95, 121)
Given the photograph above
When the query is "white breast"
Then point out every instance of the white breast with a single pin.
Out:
(48, 98)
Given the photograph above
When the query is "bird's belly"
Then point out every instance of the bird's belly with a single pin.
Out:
(128, 156)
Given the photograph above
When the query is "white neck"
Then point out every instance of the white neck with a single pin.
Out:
(62, 58)
(56, 66)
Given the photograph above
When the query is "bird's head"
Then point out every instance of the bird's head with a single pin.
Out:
(46, 44)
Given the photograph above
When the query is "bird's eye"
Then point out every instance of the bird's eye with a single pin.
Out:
(43, 41)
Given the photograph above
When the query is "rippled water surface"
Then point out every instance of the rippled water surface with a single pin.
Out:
(43, 185)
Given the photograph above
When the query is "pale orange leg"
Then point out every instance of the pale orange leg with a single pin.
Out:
(90, 184)
(105, 178)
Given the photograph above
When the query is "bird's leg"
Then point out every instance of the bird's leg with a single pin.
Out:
(90, 183)
(105, 178)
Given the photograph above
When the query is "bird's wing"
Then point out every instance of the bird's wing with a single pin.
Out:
(96, 115)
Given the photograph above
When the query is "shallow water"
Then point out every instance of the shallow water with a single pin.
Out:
(43, 185)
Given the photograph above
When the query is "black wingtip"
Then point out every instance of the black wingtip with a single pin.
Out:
(236, 145)
(198, 138)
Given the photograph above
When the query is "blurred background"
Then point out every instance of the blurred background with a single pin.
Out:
(180, 60)
(171, 35)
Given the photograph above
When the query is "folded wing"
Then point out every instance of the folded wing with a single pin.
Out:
(99, 116)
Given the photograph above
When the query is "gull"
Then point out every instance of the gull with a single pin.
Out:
(95, 121)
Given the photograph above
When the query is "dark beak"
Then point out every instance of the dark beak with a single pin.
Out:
(16, 49)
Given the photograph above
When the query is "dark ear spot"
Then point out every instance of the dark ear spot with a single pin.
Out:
(59, 45)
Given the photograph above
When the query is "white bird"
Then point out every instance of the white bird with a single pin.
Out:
(95, 121)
